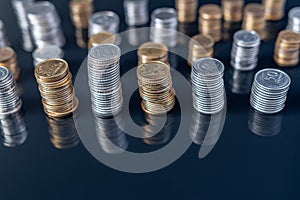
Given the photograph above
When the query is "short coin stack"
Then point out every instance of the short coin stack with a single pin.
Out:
(294, 20)
(101, 38)
(210, 21)
(187, 10)
(46, 52)
(8, 58)
(136, 12)
(269, 91)
(287, 49)
(208, 85)
(156, 89)
(245, 49)
(151, 51)
(3, 37)
(274, 9)
(56, 88)
(233, 10)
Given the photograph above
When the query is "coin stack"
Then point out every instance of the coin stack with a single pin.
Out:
(155, 86)
(47, 52)
(45, 24)
(287, 49)
(20, 7)
(200, 46)
(3, 37)
(151, 51)
(245, 50)
(136, 12)
(102, 38)
(294, 20)
(56, 88)
(241, 81)
(274, 9)
(187, 10)
(8, 58)
(104, 79)
(208, 85)
(254, 19)
(232, 10)
(269, 91)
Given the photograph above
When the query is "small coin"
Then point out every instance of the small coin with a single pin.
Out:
(51, 69)
(153, 70)
(210, 11)
(208, 67)
(273, 79)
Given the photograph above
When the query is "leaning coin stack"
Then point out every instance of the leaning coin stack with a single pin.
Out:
(8, 58)
(274, 9)
(56, 88)
(3, 37)
(136, 12)
(210, 21)
(245, 49)
(200, 46)
(208, 85)
(101, 38)
(46, 52)
(151, 51)
(269, 91)
(104, 79)
(232, 10)
(155, 86)
(187, 10)
(254, 19)
(45, 24)
(294, 20)
(287, 49)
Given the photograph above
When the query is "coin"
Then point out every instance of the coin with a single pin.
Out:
(47, 52)
(101, 38)
(51, 70)
(8, 58)
(104, 21)
(187, 10)
(232, 10)
(136, 12)
(274, 9)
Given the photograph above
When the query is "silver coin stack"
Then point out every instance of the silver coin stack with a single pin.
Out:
(136, 12)
(294, 20)
(20, 7)
(104, 79)
(245, 50)
(269, 91)
(3, 37)
(164, 25)
(45, 24)
(47, 52)
(208, 85)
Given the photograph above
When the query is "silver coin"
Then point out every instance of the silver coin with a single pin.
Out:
(273, 79)
(104, 21)
(47, 52)
(246, 38)
(136, 12)
(208, 67)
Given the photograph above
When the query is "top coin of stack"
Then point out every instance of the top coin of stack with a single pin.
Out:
(274, 9)
(8, 58)
(233, 10)
(101, 38)
(136, 12)
(187, 10)
(81, 11)
(151, 51)
(294, 20)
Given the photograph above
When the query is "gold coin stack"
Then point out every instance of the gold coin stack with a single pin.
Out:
(56, 88)
(274, 9)
(200, 46)
(8, 59)
(187, 10)
(254, 19)
(232, 10)
(151, 51)
(101, 38)
(155, 86)
(210, 21)
(287, 49)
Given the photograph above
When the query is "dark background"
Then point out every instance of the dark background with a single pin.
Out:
(241, 166)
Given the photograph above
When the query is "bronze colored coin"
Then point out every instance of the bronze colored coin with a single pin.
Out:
(255, 9)
(100, 38)
(204, 41)
(153, 70)
(210, 11)
(289, 37)
(6, 54)
(152, 50)
(52, 69)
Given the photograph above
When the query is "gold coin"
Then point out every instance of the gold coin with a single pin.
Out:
(153, 70)
(6, 54)
(152, 50)
(51, 70)
(100, 38)
(255, 9)
(210, 11)
(289, 37)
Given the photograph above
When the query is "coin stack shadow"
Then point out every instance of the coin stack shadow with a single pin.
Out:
(46, 52)
(274, 9)
(104, 21)
(136, 12)
(294, 20)
(187, 10)
(8, 59)
(102, 38)
(232, 10)
(3, 37)
(151, 51)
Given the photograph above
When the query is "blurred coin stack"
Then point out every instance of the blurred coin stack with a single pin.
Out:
(156, 89)
(136, 12)
(210, 21)
(254, 19)
(187, 10)
(45, 24)
(104, 79)
(3, 37)
(151, 51)
(287, 49)
(164, 25)
(20, 7)
(8, 59)
(56, 87)
(208, 85)
(232, 10)
(274, 9)
(245, 50)
(46, 52)
(269, 91)
(102, 38)
(294, 20)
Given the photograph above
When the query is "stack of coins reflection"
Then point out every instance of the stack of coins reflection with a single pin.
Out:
(232, 10)
(3, 37)
(254, 19)
(210, 21)
(45, 24)
(294, 20)
(200, 46)
(155, 86)
(229, 29)
(164, 23)
(151, 51)
(287, 49)
(104, 79)
(56, 88)
(269, 91)
(245, 50)
(20, 7)
(102, 38)
(187, 10)
(136, 12)
(8, 58)
(241, 81)
(274, 9)
(46, 52)
(208, 85)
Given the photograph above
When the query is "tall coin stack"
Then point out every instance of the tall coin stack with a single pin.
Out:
(104, 21)
(136, 12)
(3, 37)
(294, 20)
(56, 87)
(269, 91)
(208, 85)
(274, 9)
(210, 21)
(151, 51)
(46, 52)
(101, 38)
(104, 79)
(8, 58)
(232, 10)
(287, 49)
(155, 86)
(245, 50)
(187, 10)
(45, 24)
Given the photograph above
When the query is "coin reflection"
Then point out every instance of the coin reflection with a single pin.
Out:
(241, 81)
(82, 37)
(229, 28)
(272, 29)
(137, 35)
